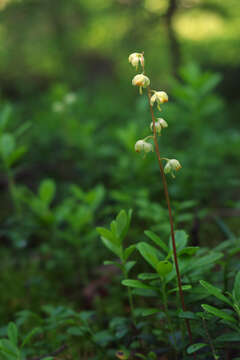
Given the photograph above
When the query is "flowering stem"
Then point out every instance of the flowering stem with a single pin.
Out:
(170, 214)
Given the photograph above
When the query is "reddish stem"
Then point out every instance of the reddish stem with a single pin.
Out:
(170, 215)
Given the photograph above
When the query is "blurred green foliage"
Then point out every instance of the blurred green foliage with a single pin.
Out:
(69, 119)
(83, 43)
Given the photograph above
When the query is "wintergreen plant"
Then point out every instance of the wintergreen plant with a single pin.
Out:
(172, 165)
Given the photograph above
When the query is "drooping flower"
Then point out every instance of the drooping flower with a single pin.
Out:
(135, 59)
(141, 80)
(143, 146)
(160, 97)
(159, 125)
(171, 166)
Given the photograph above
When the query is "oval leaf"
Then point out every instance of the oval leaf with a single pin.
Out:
(219, 313)
(148, 252)
(135, 284)
(195, 347)
(213, 290)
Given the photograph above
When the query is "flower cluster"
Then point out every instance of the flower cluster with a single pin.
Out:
(155, 98)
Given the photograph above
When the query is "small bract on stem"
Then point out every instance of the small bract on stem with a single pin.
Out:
(156, 126)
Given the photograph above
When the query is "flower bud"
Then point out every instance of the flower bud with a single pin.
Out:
(142, 145)
(172, 165)
(160, 97)
(164, 267)
(141, 80)
(135, 59)
(159, 125)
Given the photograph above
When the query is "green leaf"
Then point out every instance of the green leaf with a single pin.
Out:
(110, 262)
(181, 239)
(135, 284)
(12, 332)
(7, 145)
(128, 251)
(187, 315)
(152, 355)
(9, 348)
(148, 252)
(148, 312)
(30, 335)
(129, 265)
(184, 288)
(207, 260)
(213, 290)
(219, 313)
(122, 224)
(113, 227)
(146, 292)
(190, 251)
(85, 315)
(16, 155)
(236, 288)
(107, 234)
(22, 129)
(140, 356)
(117, 250)
(156, 239)
(77, 331)
(195, 347)
(164, 267)
(148, 276)
(103, 338)
(47, 191)
(230, 337)
(5, 116)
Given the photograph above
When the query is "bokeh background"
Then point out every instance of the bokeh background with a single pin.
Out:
(69, 120)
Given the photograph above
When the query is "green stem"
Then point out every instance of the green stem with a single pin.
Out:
(209, 340)
(165, 305)
(130, 297)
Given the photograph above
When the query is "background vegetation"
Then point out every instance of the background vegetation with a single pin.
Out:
(69, 119)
